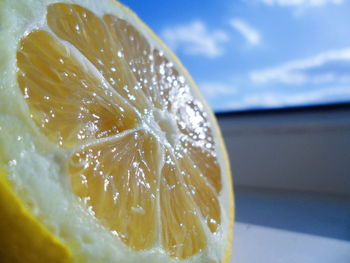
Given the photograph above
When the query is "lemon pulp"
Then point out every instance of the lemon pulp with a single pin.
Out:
(143, 158)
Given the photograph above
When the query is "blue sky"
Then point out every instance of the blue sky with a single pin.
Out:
(251, 54)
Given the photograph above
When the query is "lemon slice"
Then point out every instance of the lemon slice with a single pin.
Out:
(108, 151)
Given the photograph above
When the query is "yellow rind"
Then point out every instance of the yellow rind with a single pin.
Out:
(22, 237)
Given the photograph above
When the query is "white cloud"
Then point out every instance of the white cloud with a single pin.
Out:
(272, 99)
(314, 70)
(217, 89)
(247, 31)
(301, 2)
(195, 39)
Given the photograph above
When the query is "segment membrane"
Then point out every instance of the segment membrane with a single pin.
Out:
(205, 160)
(118, 181)
(138, 55)
(154, 72)
(91, 37)
(202, 193)
(197, 140)
(182, 231)
(65, 99)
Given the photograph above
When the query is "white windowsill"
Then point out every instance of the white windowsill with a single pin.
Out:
(258, 244)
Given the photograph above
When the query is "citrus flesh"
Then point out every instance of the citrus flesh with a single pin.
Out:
(134, 152)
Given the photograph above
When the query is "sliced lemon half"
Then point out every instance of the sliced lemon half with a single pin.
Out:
(108, 150)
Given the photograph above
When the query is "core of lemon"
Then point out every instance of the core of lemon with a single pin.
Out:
(107, 142)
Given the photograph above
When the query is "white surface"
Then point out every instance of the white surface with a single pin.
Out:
(257, 244)
(297, 151)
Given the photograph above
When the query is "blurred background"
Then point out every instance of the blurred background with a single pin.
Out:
(277, 75)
